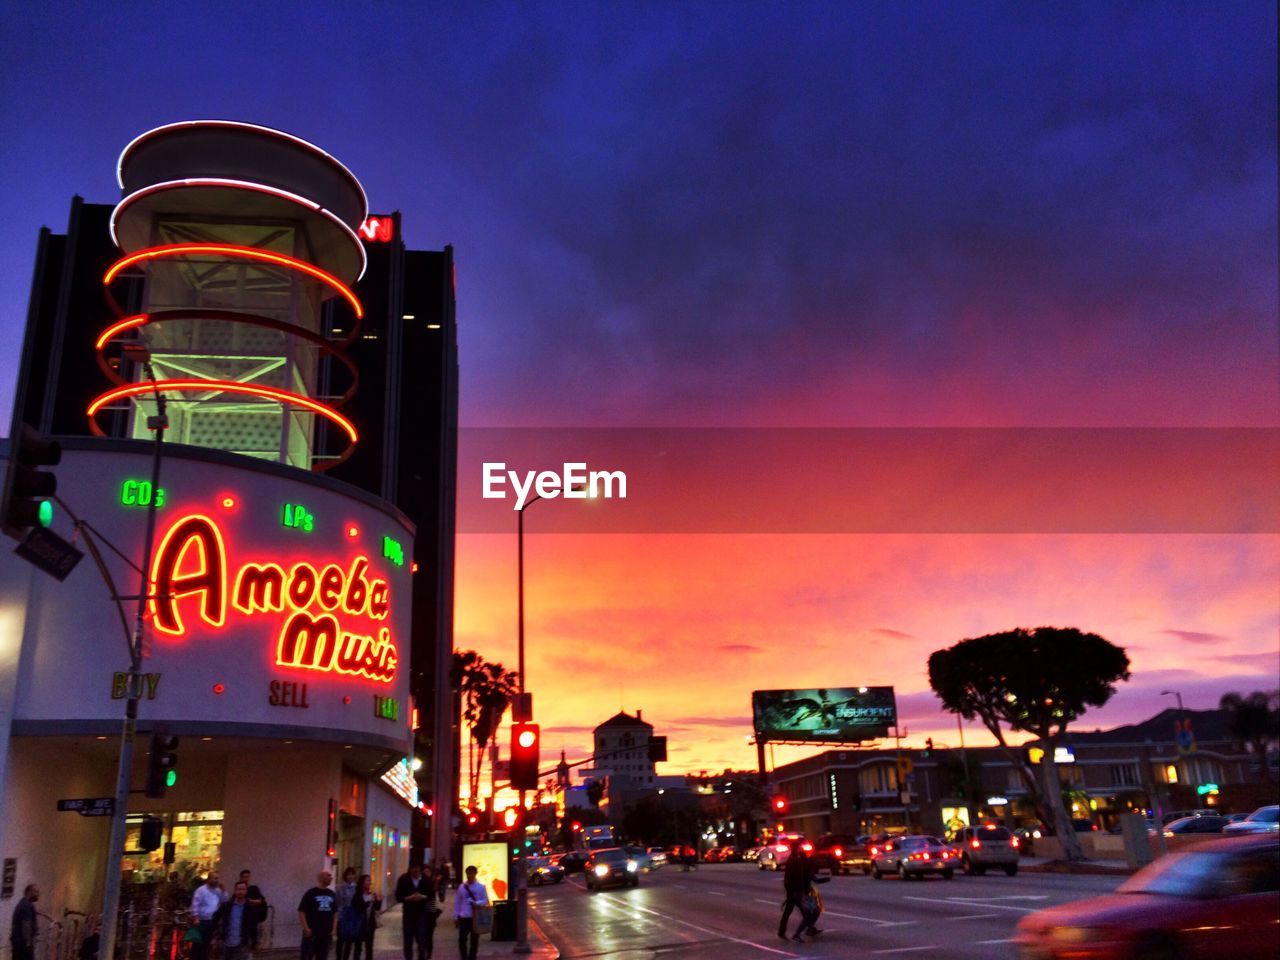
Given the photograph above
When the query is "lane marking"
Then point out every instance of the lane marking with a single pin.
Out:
(977, 916)
(770, 902)
(715, 933)
(717, 893)
(985, 942)
(955, 903)
(905, 949)
(881, 923)
(989, 899)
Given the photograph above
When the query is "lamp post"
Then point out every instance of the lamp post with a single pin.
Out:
(522, 865)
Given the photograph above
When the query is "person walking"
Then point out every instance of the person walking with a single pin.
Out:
(367, 905)
(316, 912)
(798, 877)
(235, 919)
(417, 893)
(258, 908)
(346, 894)
(206, 900)
(22, 934)
(466, 899)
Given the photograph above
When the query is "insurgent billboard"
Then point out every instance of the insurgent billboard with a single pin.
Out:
(834, 714)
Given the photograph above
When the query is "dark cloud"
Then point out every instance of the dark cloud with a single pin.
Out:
(896, 634)
(1196, 637)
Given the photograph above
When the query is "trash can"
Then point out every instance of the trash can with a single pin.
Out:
(504, 920)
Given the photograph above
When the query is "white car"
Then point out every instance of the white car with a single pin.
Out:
(657, 857)
(774, 856)
(1262, 820)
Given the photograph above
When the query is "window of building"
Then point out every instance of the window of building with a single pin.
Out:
(1125, 775)
(878, 778)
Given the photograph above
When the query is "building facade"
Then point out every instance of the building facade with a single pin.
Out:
(302, 571)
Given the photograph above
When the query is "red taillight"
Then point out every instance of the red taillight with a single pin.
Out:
(874, 851)
(782, 848)
(976, 844)
(1013, 842)
(838, 852)
(1094, 827)
(807, 847)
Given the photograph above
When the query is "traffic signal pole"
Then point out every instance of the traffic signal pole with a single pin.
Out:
(124, 771)
(522, 864)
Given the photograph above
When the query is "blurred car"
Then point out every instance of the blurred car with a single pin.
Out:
(1192, 825)
(1168, 818)
(572, 862)
(751, 854)
(914, 857)
(542, 870)
(641, 856)
(987, 846)
(683, 855)
(713, 855)
(1262, 820)
(1215, 900)
(840, 853)
(611, 867)
(657, 857)
(774, 856)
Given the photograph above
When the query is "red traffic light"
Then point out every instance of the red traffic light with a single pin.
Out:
(524, 755)
(575, 826)
(780, 804)
(511, 817)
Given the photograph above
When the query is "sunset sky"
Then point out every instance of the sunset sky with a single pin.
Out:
(736, 216)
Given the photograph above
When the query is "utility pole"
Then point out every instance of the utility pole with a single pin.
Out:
(124, 772)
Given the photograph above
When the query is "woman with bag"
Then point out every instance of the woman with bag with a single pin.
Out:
(364, 909)
(472, 914)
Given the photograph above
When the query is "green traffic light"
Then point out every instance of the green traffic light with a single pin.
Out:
(171, 778)
(46, 513)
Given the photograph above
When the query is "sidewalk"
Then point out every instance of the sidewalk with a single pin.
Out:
(1098, 867)
(387, 942)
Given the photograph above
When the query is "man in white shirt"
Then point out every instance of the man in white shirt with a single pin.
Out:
(468, 896)
(205, 902)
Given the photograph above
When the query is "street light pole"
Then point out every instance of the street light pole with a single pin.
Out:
(522, 864)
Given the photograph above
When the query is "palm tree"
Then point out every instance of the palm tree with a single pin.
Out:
(1254, 721)
(484, 689)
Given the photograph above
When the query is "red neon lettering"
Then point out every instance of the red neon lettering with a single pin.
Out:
(302, 586)
(209, 581)
(379, 600)
(259, 588)
(357, 588)
(331, 586)
(308, 642)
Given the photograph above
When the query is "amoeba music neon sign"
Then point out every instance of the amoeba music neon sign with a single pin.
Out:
(191, 573)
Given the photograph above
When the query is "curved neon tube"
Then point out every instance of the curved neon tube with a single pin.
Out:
(128, 323)
(239, 185)
(244, 126)
(235, 250)
(227, 386)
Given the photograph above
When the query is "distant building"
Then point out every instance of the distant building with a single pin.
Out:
(622, 762)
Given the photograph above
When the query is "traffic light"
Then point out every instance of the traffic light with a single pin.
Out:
(928, 748)
(525, 742)
(151, 834)
(779, 804)
(25, 502)
(162, 766)
(512, 818)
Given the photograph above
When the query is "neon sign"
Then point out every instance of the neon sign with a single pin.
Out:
(393, 551)
(191, 573)
(378, 228)
(137, 493)
(297, 516)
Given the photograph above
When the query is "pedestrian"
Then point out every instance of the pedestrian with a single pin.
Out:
(258, 908)
(209, 896)
(346, 893)
(235, 919)
(798, 878)
(368, 905)
(469, 897)
(417, 893)
(316, 912)
(22, 935)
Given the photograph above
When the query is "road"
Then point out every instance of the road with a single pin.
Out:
(731, 911)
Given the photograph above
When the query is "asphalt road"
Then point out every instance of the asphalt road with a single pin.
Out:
(732, 910)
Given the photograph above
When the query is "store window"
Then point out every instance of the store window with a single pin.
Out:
(197, 847)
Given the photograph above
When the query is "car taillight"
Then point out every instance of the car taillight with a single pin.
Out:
(976, 844)
(807, 847)
(1094, 827)
(838, 852)
(874, 851)
(781, 848)
(1013, 842)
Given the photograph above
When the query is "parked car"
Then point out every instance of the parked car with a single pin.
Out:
(657, 857)
(572, 862)
(1214, 900)
(1262, 820)
(542, 870)
(774, 856)
(611, 867)
(1168, 818)
(724, 854)
(839, 853)
(1192, 825)
(751, 854)
(914, 857)
(987, 846)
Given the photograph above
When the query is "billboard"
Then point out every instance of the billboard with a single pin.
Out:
(829, 714)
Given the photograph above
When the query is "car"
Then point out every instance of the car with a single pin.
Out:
(571, 862)
(1168, 818)
(610, 867)
(728, 854)
(839, 853)
(1192, 825)
(774, 856)
(657, 857)
(991, 846)
(542, 871)
(640, 855)
(1262, 820)
(914, 857)
(1217, 899)
(751, 854)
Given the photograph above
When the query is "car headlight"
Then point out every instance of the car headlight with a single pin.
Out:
(601, 870)
(632, 865)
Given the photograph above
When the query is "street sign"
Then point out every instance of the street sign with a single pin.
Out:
(89, 806)
(48, 551)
